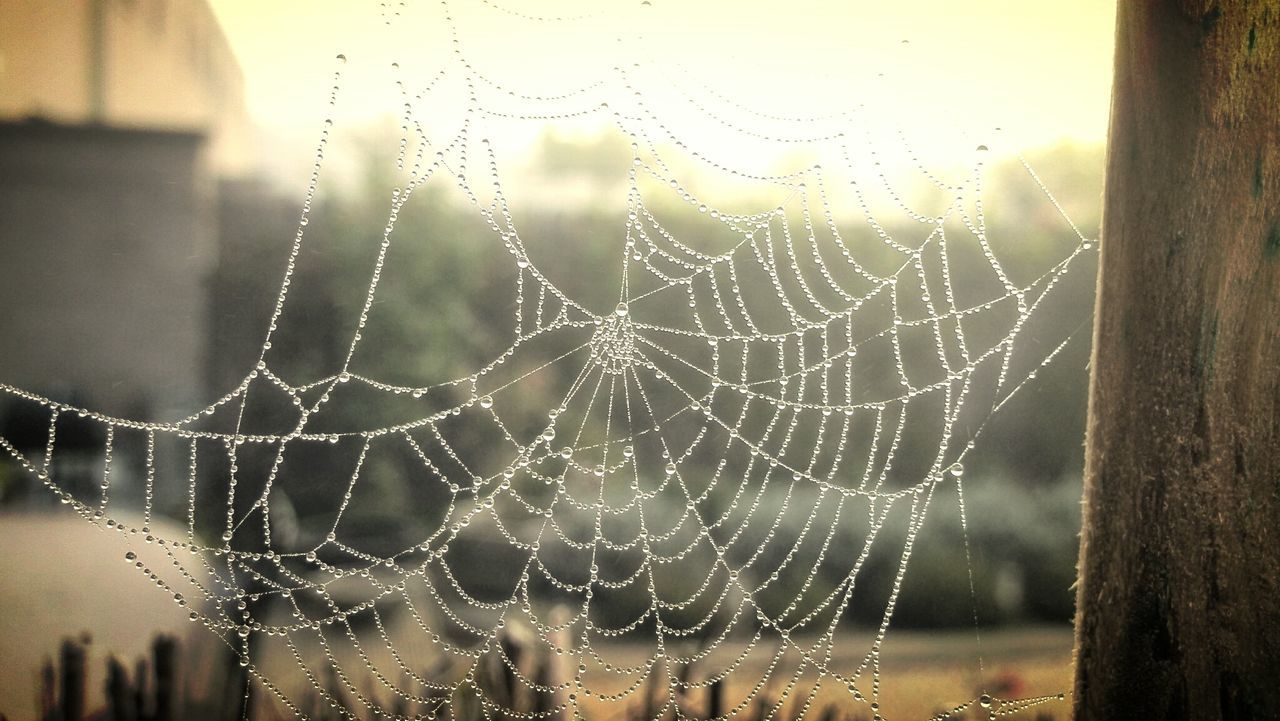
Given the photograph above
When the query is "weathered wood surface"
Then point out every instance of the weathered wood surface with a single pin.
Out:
(1178, 607)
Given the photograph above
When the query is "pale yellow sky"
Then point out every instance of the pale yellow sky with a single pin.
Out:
(949, 73)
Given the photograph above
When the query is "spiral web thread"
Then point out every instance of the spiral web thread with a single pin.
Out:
(726, 383)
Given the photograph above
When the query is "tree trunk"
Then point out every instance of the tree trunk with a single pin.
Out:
(1178, 607)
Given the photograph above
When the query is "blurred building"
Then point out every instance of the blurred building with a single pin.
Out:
(118, 121)
(106, 238)
(138, 64)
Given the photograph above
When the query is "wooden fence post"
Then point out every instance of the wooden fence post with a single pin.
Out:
(71, 695)
(1178, 607)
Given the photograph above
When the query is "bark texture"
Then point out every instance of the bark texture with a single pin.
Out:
(1178, 606)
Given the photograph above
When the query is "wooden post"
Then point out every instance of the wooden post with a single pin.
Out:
(119, 693)
(715, 699)
(1178, 607)
(71, 704)
(164, 655)
(46, 700)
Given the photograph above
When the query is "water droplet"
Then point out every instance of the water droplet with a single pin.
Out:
(984, 701)
(671, 469)
(982, 148)
(622, 310)
(956, 469)
(130, 556)
(486, 402)
(342, 59)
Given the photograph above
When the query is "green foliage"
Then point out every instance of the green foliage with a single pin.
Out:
(444, 305)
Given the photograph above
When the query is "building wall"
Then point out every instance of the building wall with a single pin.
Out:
(159, 64)
(106, 242)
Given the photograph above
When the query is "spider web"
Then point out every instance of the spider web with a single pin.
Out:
(764, 386)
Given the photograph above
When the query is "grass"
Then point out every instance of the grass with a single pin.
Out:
(94, 590)
(926, 676)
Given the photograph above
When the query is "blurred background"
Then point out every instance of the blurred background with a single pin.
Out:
(153, 161)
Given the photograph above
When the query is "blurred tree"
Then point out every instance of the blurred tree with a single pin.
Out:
(444, 306)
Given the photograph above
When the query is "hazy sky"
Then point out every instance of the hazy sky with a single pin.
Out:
(1040, 71)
